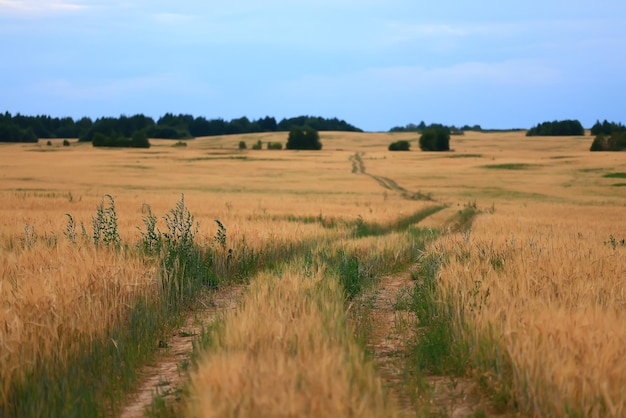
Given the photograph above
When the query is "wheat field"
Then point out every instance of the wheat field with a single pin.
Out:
(547, 248)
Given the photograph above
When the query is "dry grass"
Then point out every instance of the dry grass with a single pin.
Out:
(551, 286)
(56, 299)
(557, 297)
(287, 352)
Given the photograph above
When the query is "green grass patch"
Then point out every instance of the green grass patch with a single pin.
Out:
(591, 170)
(619, 185)
(367, 229)
(465, 156)
(510, 166)
(615, 175)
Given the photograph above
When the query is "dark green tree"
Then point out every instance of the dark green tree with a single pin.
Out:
(303, 138)
(435, 139)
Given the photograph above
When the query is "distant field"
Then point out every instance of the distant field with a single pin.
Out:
(547, 244)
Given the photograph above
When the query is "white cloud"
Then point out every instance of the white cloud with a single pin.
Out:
(29, 7)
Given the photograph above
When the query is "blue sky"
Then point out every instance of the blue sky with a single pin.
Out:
(374, 63)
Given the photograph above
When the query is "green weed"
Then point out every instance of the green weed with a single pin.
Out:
(105, 224)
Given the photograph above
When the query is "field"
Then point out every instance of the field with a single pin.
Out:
(500, 265)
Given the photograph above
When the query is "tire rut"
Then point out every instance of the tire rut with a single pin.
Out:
(165, 376)
(392, 330)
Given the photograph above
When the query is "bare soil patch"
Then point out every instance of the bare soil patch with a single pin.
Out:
(165, 376)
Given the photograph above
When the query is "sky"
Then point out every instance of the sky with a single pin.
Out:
(376, 64)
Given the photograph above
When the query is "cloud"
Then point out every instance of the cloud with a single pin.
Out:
(30, 7)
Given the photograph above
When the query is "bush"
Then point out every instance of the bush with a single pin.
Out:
(435, 140)
(615, 142)
(258, 145)
(140, 140)
(66, 143)
(242, 145)
(402, 145)
(304, 139)
(274, 145)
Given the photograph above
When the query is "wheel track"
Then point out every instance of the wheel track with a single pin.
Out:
(165, 377)
(358, 167)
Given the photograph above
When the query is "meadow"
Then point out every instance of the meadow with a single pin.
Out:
(529, 286)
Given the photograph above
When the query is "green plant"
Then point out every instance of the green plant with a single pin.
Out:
(402, 145)
(220, 235)
(351, 275)
(181, 228)
(151, 241)
(434, 349)
(274, 146)
(105, 224)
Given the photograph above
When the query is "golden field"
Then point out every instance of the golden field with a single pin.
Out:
(541, 250)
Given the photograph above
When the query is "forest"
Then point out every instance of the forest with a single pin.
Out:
(21, 128)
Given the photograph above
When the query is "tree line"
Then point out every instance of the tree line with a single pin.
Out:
(568, 127)
(423, 127)
(20, 128)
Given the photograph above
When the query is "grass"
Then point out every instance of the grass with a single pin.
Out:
(510, 166)
(465, 156)
(615, 175)
(291, 364)
(524, 359)
(525, 299)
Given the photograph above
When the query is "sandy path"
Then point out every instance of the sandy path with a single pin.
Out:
(165, 375)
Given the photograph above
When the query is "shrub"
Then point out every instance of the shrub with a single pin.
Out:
(242, 145)
(402, 145)
(435, 140)
(140, 140)
(66, 143)
(274, 145)
(304, 138)
(615, 142)
(258, 145)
